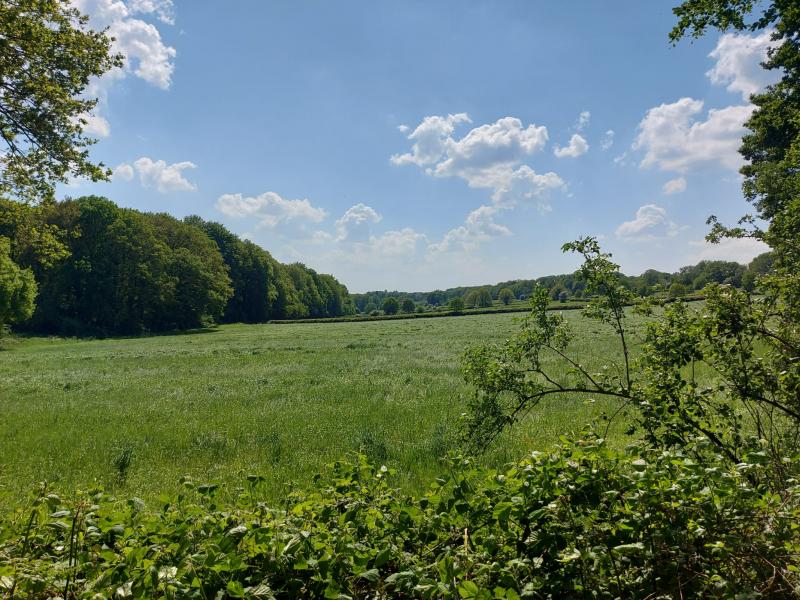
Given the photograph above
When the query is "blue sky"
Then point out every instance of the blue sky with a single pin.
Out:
(420, 145)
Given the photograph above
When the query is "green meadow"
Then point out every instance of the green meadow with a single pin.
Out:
(134, 415)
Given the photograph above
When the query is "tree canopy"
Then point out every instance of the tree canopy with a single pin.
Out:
(48, 55)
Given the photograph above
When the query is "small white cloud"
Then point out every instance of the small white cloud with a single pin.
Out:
(429, 139)
(651, 223)
(608, 140)
(402, 128)
(123, 172)
(674, 139)
(622, 159)
(354, 224)
(577, 146)
(405, 242)
(675, 186)
(738, 65)
(163, 177)
(741, 250)
(478, 227)
(583, 120)
(269, 209)
(96, 126)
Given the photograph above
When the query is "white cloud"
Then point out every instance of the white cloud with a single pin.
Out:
(402, 243)
(741, 250)
(429, 139)
(522, 184)
(577, 146)
(402, 128)
(354, 225)
(489, 157)
(157, 174)
(163, 9)
(144, 53)
(738, 63)
(651, 223)
(673, 139)
(269, 209)
(675, 186)
(96, 126)
(608, 140)
(583, 120)
(478, 227)
(504, 142)
(123, 172)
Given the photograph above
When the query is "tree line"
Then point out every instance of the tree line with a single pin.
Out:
(89, 267)
(571, 286)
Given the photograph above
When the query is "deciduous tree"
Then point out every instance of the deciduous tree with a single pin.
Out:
(48, 55)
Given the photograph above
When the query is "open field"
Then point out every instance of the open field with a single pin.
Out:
(277, 401)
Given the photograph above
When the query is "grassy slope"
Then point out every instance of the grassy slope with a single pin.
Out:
(278, 401)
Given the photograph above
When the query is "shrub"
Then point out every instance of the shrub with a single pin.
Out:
(581, 520)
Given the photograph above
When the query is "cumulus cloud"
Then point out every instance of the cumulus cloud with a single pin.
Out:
(96, 126)
(402, 243)
(583, 120)
(269, 209)
(354, 224)
(489, 156)
(157, 174)
(479, 226)
(608, 140)
(355, 243)
(484, 148)
(163, 9)
(738, 63)
(577, 146)
(675, 186)
(741, 250)
(430, 138)
(123, 172)
(678, 137)
(144, 53)
(651, 223)
(673, 138)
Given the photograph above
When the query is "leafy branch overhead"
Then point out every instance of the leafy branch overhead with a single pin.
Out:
(48, 55)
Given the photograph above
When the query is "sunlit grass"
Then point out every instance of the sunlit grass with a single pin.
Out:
(134, 415)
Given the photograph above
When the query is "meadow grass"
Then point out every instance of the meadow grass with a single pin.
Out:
(134, 415)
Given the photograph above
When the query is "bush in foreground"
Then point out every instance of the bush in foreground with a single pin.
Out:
(581, 521)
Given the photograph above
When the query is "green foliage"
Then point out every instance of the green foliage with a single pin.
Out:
(483, 298)
(17, 289)
(506, 296)
(677, 290)
(103, 270)
(390, 305)
(456, 305)
(407, 305)
(579, 521)
(252, 272)
(48, 55)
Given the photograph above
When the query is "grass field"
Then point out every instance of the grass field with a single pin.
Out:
(272, 400)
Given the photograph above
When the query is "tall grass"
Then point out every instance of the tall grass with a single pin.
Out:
(134, 415)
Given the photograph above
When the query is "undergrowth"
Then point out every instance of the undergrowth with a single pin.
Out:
(581, 521)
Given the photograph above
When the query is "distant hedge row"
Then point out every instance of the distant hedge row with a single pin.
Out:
(101, 269)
